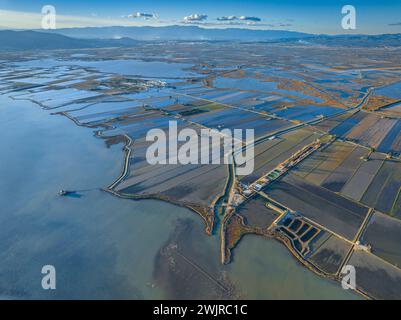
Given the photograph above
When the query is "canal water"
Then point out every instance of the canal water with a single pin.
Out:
(102, 246)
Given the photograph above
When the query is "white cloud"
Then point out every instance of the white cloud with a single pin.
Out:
(196, 17)
(252, 19)
(227, 18)
(241, 20)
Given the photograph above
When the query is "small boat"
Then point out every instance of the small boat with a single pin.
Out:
(65, 192)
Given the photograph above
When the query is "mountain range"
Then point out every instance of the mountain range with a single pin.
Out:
(191, 33)
(32, 40)
(77, 38)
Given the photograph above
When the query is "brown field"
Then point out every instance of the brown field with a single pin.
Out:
(322, 163)
(371, 130)
(276, 151)
(360, 181)
(339, 177)
(375, 102)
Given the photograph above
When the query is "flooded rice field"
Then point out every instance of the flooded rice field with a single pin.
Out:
(105, 247)
(74, 121)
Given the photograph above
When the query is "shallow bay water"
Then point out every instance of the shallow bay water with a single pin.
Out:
(103, 246)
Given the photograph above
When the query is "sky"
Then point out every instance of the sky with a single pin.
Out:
(312, 16)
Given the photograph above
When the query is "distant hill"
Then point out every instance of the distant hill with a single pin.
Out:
(29, 40)
(77, 38)
(191, 33)
(196, 33)
(367, 41)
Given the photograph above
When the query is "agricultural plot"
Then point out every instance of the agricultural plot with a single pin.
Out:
(329, 256)
(372, 131)
(250, 84)
(193, 107)
(271, 153)
(56, 98)
(375, 277)
(346, 125)
(383, 193)
(105, 111)
(356, 186)
(317, 168)
(271, 103)
(261, 102)
(339, 177)
(178, 183)
(324, 207)
(383, 234)
(225, 96)
(190, 184)
(137, 125)
(327, 125)
(38, 80)
(239, 99)
(306, 113)
(391, 109)
(394, 108)
(351, 170)
(238, 119)
(392, 142)
(319, 241)
(212, 94)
